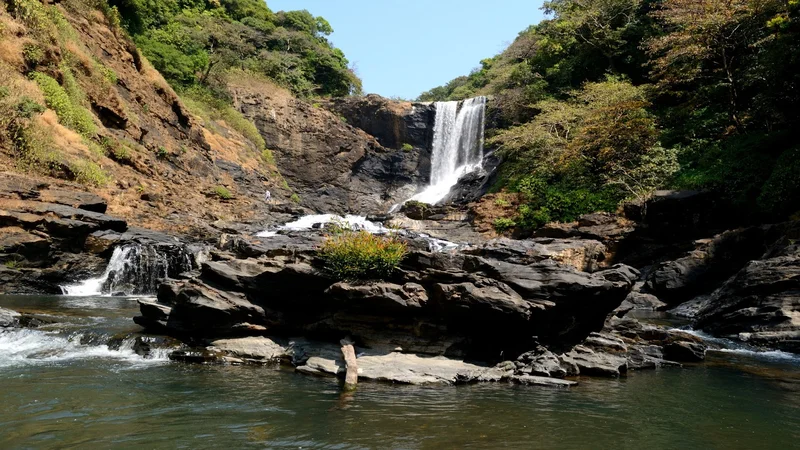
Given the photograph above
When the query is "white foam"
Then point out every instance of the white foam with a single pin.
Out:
(307, 223)
(30, 347)
(767, 354)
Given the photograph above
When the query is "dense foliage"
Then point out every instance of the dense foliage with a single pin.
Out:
(195, 43)
(610, 99)
(350, 255)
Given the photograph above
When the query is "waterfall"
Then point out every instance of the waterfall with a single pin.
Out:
(134, 270)
(457, 146)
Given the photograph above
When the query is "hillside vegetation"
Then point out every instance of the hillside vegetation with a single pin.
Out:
(610, 99)
(80, 103)
(194, 43)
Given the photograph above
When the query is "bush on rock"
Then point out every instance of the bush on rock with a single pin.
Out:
(361, 255)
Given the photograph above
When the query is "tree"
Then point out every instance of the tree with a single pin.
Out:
(707, 42)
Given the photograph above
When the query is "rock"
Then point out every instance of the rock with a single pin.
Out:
(763, 297)
(541, 363)
(101, 221)
(583, 255)
(18, 241)
(392, 123)
(251, 349)
(641, 301)
(542, 381)
(8, 318)
(685, 352)
(343, 169)
(600, 364)
(490, 301)
(704, 268)
(379, 297)
(75, 199)
(394, 367)
(201, 310)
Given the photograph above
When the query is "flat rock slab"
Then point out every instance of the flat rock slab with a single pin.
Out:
(391, 366)
(257, 348)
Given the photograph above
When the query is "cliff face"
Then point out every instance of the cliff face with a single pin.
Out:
(334, 166)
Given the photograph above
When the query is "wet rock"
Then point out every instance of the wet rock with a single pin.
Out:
(8, 318)
(685, 352)
(531, 380)
(197, 356)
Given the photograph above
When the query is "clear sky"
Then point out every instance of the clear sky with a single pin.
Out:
(405, 47)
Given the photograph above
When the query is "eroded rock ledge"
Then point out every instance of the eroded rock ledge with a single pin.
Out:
(485, 303)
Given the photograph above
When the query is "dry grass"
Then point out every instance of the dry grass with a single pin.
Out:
(63, 137)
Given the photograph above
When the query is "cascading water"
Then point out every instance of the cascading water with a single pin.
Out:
(134, 270)
(457, 146)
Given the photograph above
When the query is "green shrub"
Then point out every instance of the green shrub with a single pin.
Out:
(503, 224)
(361, 255)
(267, 156)
(559, 201)
(33, 54)
(161, 152)
(27, 108)
(35, 150)
(116, 150)
(88, 173)
(223, 193)
(501, 202)
(70, 114)
(407, 147)
(295, 198)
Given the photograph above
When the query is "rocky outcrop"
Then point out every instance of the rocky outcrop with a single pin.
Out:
(334, 166)
(392, 123)
(44, 245)
(448, 304)
(761, 303)
(710, 263)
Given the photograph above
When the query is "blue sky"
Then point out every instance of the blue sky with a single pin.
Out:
(404, 47)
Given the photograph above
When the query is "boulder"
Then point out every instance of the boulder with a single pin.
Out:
(590, 362)
(257, 349)
(541, 362)
(8, 318)
(583, 255)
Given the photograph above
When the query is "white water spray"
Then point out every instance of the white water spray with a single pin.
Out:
(132, 269)
(457, 146)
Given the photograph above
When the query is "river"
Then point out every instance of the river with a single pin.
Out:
(59, 393)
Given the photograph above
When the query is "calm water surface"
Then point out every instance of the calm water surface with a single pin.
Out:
(59, 393)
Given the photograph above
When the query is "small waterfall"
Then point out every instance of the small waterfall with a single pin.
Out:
(134, 270)
(457, 146)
